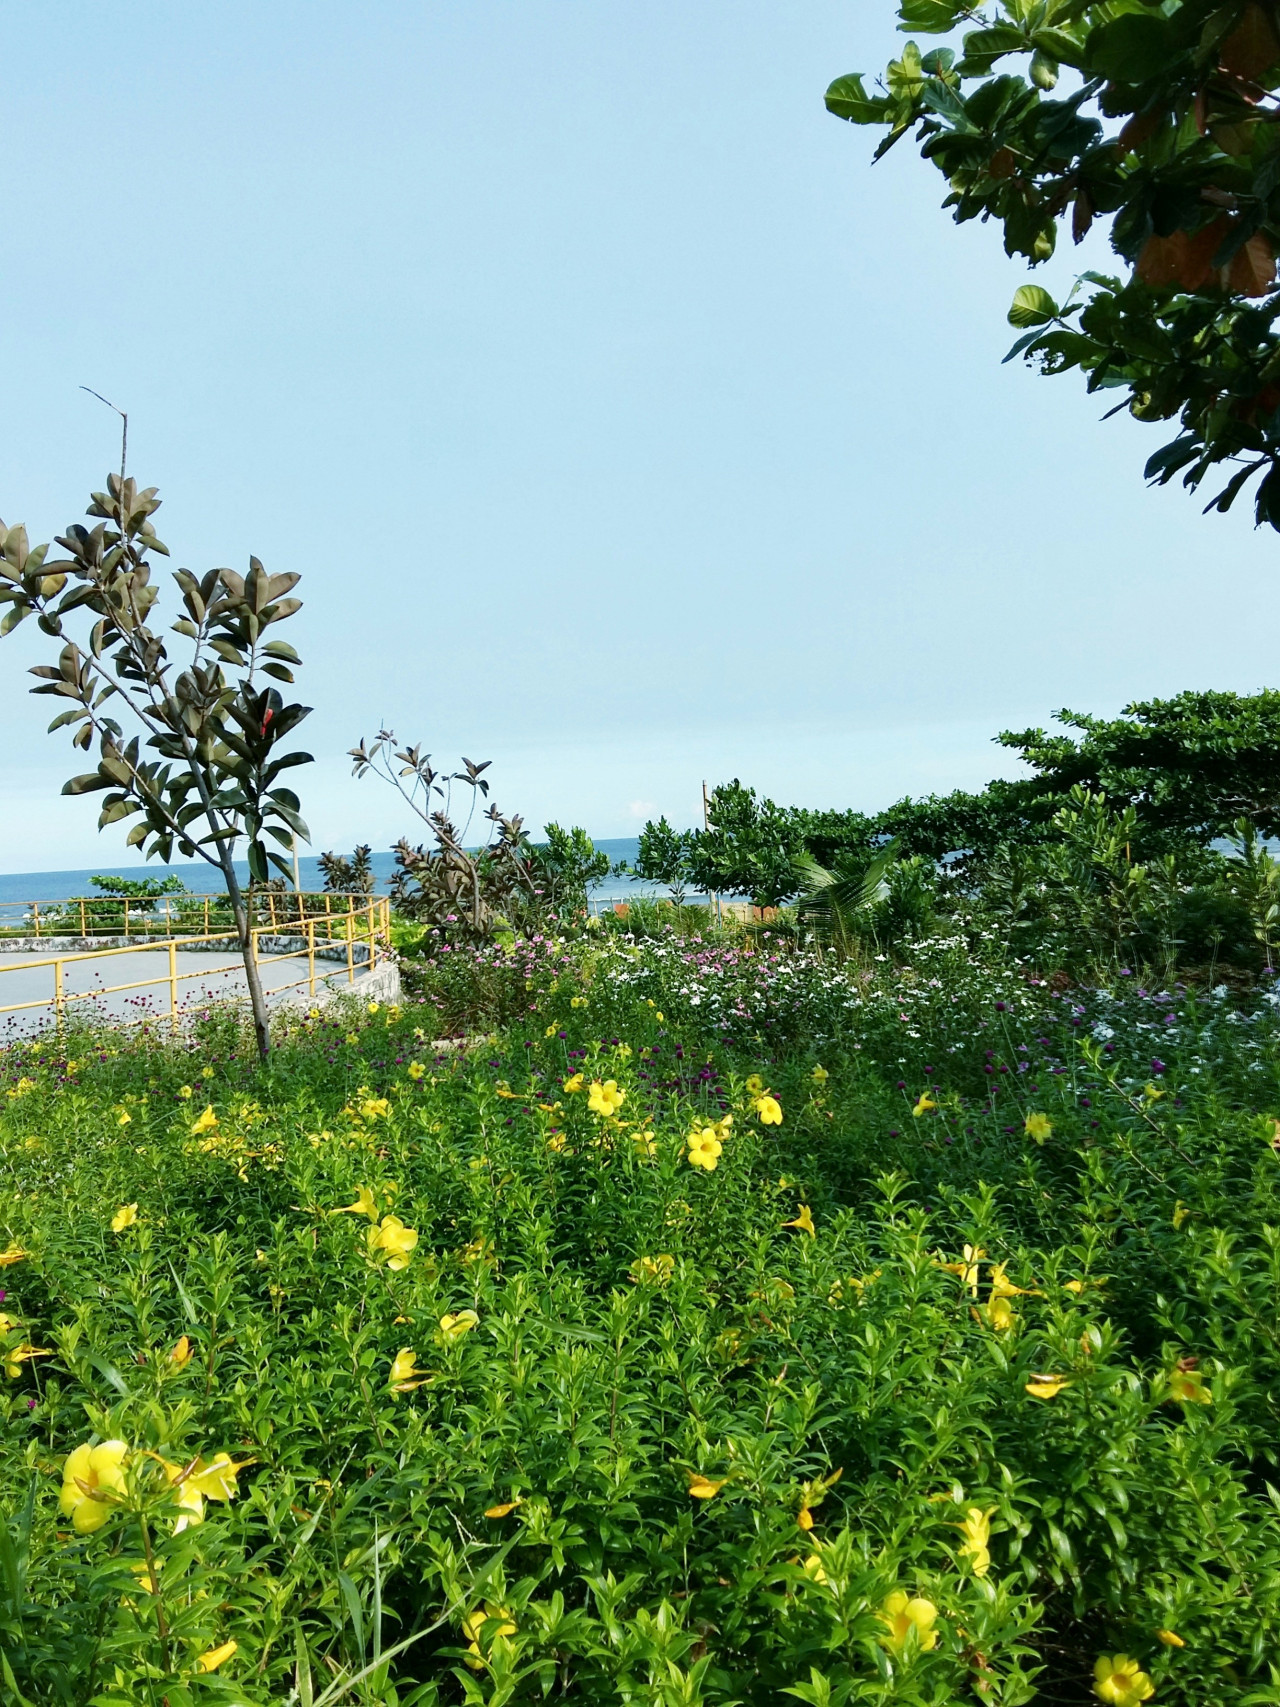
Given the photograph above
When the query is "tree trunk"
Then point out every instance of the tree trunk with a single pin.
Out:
(257, 1001)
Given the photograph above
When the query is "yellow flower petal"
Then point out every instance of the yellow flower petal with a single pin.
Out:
(214, 1657)
(703, 1488)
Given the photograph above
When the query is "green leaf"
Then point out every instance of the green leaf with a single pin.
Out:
(1133, 48)
(847, 99)
(1032, 306)
(930, 17)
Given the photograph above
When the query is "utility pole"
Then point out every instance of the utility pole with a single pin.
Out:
(714, 900)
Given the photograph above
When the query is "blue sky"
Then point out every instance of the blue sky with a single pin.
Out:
(627, 426)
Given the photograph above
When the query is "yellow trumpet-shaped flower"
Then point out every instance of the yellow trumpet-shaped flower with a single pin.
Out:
(704, 1149)
(902, 1613)
(1180, 1214)
(1170, 1638)
(1121, 1682)
(1038, 1126)
(1003, 1287)
(473, 1625)
(206, 1123)
(216, 1479)
(363, 1205)
(13, 1253)
(820, 1075)
(180, 1356)
(1000, 1313)
(653, 1271)
(504, 1510)
(417, 1070)
(573, 1084)
(92, 1481)
(605, 1099)
(20, 1354)
(185, 1092)
(1186, 1387)
(803, 1221)
(453, 1325)
(214, 1657)
(755, 1085)
(375, 1108)
(703, 1488)
(405, 1374)
(968, 1269)
(924, 1103)
(124, 1217)
(975, 1533)
(393, 1237)
(1047, 1386)
(814, 1569)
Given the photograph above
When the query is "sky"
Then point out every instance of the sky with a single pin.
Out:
(627, 427)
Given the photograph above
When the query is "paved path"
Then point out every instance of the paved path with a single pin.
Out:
(204, 978)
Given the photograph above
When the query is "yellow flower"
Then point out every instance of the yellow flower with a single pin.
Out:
(396, 1239)
(373, 1007)
(704, 1149)
(556, 1141)
(901, 1614)
(1047, 1386)
(573, 1084)
(924, 1104)
(605, 1099)
(503, 1510)
(1152, 1092)
(655, 1271)
(124, 1118)
(206, 1072)
(185, 1092)
(473, 1625)
(658, 1017)
(20, 1354)
(352, 1038)
(1180, 1214)
(405, 1374)
(453, 1326)
(1120, 1682)
(1038, 1126)
(804, 1221)
(215, 1657)
(645, 1142)
(180, 1356)
(363, 1205)
(216, 1480)
(703, 1488)
(813, 1568)
(550, 1031)
(124, 1217)
(769, 1109)
(22, 1087)
(1170, 1638)
(968, 1269)
(416, 1070)
(976, 1532)
(91, 1476)
(820, 1075)
(1003, 1287)
(755, 1085)
(1186, 1387)
(206, 1123)
(375, 1108)
(577, 1001)
(13, 1253)
(1000, 1313)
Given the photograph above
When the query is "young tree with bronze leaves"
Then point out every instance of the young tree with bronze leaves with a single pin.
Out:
(1163, 119)
(214, 726)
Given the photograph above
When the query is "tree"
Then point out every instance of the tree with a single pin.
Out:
(564, 868)
(663, 857)
(1171, 131)
(214, 727)
(349, 875)
(748, 848)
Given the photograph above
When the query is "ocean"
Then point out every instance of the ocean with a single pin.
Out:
(201, 879)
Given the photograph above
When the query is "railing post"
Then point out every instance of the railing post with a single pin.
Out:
(84, 926)
(57, 992)
(351, 936)
(311, 955)
(35, 908)
(206, 915)
(126, 918)
(173, 985)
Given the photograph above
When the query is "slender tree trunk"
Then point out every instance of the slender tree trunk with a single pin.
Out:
(257, 1000)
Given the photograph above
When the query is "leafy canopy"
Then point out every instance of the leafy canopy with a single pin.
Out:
(1161, 118)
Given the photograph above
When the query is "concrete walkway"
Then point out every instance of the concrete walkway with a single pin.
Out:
(204, 978)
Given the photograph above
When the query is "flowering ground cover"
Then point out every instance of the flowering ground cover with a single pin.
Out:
(724, 1326)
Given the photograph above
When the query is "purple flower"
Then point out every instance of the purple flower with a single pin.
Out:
(1001, 1007)
(902, 1084)
(1157, 1065)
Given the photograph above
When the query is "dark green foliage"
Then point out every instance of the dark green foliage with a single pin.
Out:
(349, 876)
(1160, 120)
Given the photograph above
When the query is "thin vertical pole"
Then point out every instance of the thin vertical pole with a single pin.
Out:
(84, 928)
(351, 937)
(706, 825)
(57, 991)
(35, 908)
(126, 918)
(173, 986)
(311, 955)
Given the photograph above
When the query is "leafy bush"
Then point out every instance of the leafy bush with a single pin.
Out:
(625, 1356)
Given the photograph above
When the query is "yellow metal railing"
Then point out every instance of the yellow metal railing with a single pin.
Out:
(357, 929)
